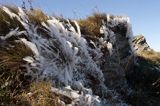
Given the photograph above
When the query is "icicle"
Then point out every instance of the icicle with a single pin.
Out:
(12, 33)
(78, 29)
(31, 45)
(110, 48)
(23, 15)
(11, 14)
(28, 59)
(108, 18)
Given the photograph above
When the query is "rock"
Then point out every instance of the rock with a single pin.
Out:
(145, 76)
(147, 65)
(139, 43)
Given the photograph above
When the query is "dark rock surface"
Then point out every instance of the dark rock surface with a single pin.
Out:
(145, 76)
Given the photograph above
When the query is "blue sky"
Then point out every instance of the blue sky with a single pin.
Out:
(144, 14)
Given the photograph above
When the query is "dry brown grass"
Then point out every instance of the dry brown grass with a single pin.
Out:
(91, 25)
(7, 23)
(12, 72)
(13, 8)
(15, 85)
(36, 16)
(150, 55)
(40, 95)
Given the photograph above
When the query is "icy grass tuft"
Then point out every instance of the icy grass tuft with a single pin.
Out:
(62, 55)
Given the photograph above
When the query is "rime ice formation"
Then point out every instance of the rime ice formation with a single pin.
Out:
(63, 56)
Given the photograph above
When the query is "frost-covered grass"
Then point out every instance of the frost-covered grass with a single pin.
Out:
(13, 78)
(56, 57)
(10, 20)
(56, 50)
(7, 23)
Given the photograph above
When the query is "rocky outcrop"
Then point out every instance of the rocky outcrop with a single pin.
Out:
(146, 63)
(140, 44)
(144, 78)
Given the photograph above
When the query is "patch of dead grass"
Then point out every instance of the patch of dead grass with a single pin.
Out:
(150, 55)
(91, 25)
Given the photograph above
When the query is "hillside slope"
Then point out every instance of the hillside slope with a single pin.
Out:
(90, 62)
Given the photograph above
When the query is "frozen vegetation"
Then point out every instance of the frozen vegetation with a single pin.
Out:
(75, 67)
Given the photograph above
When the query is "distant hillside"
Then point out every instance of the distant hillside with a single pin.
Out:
(52, 61)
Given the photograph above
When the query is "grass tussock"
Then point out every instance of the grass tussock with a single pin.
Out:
(146, 74)
(16, 88)
(150, 55)
(13, 8)
(12, 73)
(7, 23)
(40, 95)
(36, 16)
(91, 25)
